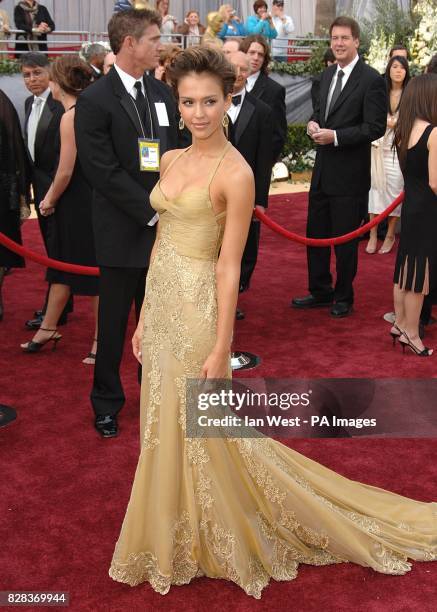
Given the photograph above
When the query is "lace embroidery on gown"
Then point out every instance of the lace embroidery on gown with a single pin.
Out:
(245, 510)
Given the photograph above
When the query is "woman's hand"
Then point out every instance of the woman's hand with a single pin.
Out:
(216, 365)
(46, 207)
(137, 341)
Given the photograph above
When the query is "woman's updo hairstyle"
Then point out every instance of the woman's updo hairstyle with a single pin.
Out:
(201, 60)
(72, 74)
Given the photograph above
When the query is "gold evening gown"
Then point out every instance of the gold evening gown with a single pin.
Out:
(246, 510)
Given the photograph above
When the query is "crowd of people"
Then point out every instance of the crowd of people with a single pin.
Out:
(256, 125)
(171, 229)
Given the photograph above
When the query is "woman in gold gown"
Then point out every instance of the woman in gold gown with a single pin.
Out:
(246, 509)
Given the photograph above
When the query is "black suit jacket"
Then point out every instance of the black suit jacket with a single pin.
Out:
(47, 145)
(359, 116)
(107, 131)
(252, 137)
(21, 23)
(273, 94)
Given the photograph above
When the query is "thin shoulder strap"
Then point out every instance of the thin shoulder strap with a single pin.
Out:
(174, 160)
(217, 164)
(427, 131)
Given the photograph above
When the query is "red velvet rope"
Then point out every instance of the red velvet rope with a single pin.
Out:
(325, 242)
(46, 261)
(316, 242)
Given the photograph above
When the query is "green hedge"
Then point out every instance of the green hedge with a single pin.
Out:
(309, 68)
(9, 66)
(298, 152)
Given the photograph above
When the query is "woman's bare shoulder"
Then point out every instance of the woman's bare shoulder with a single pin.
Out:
(168, 157)
(236, 168)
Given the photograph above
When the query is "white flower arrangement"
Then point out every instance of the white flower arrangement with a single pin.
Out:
(424, 42)
(379, 49)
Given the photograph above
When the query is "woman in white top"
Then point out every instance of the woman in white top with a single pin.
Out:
(387, 179)
(169, 22)
(284, 26)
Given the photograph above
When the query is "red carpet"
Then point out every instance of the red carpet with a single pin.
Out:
(64, 490)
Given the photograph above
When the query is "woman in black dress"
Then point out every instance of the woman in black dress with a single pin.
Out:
(69, 200)
(14, 186)
(416, 264)
(35, 20)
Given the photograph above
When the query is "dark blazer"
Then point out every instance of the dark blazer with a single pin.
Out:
(107, 131)
(251, 135)
(21, 23)
(273, 94)
(96, 74)
(315, 90)
(359, 116)
(47, 145)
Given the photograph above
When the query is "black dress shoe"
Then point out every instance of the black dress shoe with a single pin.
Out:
(38, 313)
(106, 425)
(34, 323)
(309, 301)
(341, 309)
(239, 315)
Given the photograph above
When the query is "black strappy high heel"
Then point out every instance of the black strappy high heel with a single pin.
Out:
(426, 352)
(35, 347)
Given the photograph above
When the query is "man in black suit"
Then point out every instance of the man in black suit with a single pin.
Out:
(251, 135)
(95, 55)
(260, 85)
(41, 134)
(350, 114)
(113, 117)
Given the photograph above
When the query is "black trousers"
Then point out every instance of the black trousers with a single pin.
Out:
(119, 287)
(250, 254)
(330, 216)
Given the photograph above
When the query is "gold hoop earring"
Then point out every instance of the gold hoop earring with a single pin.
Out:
(225, 123)
(181, 124)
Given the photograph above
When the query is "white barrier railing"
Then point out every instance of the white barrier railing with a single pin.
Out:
(71, 42)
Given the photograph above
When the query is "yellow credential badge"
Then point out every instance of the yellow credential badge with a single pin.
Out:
(149, 155)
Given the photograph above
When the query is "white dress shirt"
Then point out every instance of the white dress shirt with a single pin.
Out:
(129, 84)
(251, 80)
(38, 105)
(346, 74)
(234, 111)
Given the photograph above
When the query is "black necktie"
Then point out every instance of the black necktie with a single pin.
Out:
(143, 111)
(236, 100)
(140, 100)
(337, 91)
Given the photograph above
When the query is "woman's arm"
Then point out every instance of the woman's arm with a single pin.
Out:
(20, 20)
(432, 160)
(46, 18)
(269, 29)
(254, 25)
(65, 168)
(239, 194)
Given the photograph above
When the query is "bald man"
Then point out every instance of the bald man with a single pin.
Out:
(251, 133)
(231, 46)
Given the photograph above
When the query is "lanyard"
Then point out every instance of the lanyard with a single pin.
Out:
(139, 118)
